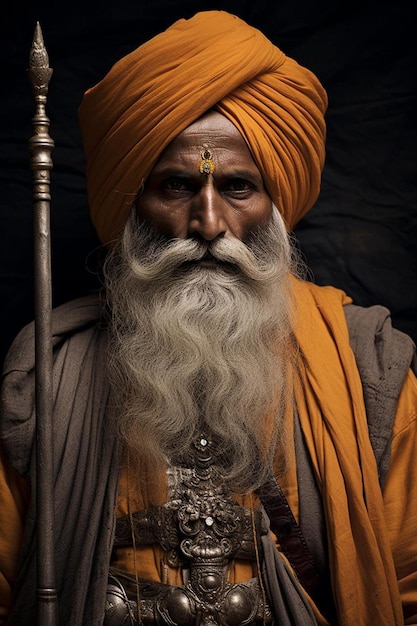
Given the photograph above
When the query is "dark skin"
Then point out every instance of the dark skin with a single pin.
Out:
(181, 202)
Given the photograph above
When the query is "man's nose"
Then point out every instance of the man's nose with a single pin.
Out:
(207, 218)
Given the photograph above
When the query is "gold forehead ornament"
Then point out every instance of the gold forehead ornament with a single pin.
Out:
(207, 165)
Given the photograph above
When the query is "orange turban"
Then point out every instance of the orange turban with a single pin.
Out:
(213, 60)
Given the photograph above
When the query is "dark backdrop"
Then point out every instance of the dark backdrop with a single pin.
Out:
(362, 233)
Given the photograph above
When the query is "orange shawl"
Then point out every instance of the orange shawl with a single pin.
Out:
(333, 418)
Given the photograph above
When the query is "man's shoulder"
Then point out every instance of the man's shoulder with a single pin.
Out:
(384, 356)
(68, 319)
(374, 339)
(79, 342)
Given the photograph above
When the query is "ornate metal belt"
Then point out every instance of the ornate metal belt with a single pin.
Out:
(214, 604)
(202, 529)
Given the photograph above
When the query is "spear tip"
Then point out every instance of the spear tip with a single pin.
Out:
(38, 56)
(39, 71)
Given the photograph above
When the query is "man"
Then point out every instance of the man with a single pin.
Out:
(233, 444)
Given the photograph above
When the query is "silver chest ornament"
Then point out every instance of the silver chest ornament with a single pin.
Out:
(202, 529)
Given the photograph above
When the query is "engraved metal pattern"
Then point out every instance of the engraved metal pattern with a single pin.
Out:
(202, 529)
(178, 606)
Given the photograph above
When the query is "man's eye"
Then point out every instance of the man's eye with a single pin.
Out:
(239, 185)
(174, 184)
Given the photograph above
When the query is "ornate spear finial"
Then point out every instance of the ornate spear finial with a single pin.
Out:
(40, 146)
(39, 63)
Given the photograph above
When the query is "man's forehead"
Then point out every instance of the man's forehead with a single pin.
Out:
(214, 126)
(212, 137)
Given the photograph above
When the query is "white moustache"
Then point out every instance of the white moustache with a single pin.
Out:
(158, 258)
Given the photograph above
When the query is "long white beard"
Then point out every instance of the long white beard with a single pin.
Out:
(197, 350)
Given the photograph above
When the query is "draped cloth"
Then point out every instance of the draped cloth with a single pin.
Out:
(86, 463)
(332, 416)
(332, 413)
(213, 60)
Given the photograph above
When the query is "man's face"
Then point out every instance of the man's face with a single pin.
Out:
(181, 201)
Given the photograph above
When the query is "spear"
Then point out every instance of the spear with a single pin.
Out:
(40, 146)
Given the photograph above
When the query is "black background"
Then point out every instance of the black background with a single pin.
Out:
(362, 233)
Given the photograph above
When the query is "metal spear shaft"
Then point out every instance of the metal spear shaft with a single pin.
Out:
(40, 146)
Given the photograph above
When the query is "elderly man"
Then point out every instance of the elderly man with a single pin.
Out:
(233, 444)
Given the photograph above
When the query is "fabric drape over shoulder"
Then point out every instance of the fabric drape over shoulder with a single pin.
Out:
(86, 462)
(333, 419)
(213, 60)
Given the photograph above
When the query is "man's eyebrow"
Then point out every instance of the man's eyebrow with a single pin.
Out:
(242, 174)
(224, 172)
(172, 170)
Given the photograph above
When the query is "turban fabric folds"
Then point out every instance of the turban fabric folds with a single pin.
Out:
(213, 60)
